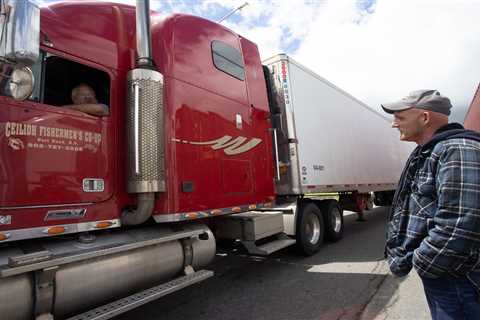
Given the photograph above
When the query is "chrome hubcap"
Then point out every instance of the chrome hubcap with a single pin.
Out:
(336, 220)
(312, 229)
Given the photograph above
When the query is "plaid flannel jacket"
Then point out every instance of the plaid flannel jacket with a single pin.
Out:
(434, 224)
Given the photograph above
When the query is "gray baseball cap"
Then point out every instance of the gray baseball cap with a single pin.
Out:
(430, 100)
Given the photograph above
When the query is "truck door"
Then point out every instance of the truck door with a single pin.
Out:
(53, 154)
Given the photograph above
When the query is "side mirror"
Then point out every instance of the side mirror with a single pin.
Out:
(20, 19)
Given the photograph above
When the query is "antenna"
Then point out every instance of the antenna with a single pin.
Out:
(232, 12)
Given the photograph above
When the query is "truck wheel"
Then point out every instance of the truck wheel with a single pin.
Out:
(333, 216)
(310, 229)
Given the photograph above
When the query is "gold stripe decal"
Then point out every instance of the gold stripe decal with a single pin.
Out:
(230, 145)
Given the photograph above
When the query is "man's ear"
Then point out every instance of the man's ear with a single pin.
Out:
(426, 117)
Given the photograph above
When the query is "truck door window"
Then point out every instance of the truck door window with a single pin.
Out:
(228, 59)
(61, 76)
(55, 77)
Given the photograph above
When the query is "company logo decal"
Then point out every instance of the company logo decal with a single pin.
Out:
(31, 136)
(286, 93)
(16, 144)
(230, 145)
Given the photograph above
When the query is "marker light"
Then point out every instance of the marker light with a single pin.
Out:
(55, 230)
(103, 224)
(191, 215)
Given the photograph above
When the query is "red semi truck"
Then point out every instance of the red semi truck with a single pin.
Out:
(99, 215)
(472, 119)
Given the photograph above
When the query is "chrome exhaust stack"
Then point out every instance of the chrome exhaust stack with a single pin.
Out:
(144, 42)
(145, 128)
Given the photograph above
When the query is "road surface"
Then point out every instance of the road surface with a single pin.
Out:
(344, 280)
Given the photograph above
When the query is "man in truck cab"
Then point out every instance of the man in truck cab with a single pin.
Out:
(434, 222)
(85, 100)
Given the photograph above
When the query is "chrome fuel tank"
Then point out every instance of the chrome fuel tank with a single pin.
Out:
(85, 284)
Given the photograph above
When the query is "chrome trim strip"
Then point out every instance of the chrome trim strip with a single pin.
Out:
(277, 163)
(39, 232)
(340, 188)
(136, 125)
(67, 214)
(185, 216)
(48, 206)
(174, 217)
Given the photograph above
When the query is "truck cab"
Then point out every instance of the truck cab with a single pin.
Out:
(65, 168)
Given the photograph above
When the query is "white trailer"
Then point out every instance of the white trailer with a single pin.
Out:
(329, 141)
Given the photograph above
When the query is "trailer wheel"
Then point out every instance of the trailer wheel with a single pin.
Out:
(310, 229)
(384, 198)
(333, 216)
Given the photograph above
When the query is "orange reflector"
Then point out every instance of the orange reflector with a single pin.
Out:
(236, 209)
(56, 230)
(3, 236)
(216, 211)
(103, 224)
(252, 206)
(191, 215)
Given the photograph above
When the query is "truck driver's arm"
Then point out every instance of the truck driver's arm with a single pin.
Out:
(95, 109)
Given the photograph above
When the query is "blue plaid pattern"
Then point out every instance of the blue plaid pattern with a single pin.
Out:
(434, 225)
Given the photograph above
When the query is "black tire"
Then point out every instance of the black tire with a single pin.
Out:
(310, 229)
(378, 199)
(333, 217)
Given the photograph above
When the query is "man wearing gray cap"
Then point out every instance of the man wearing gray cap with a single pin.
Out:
(434, 223)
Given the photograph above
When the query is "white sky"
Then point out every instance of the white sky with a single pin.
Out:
(377, 51)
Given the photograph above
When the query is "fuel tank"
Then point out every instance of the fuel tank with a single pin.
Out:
(92, 282)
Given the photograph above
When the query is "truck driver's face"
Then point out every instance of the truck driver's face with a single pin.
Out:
(84, 95)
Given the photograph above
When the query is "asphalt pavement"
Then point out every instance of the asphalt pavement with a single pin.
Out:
(347, 280)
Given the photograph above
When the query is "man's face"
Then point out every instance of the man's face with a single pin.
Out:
(84, 95)
(410, 124)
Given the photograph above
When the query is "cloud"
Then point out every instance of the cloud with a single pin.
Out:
(401, 46)
(276, 26)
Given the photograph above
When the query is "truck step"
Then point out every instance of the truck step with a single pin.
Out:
(268, 248)
(250, 226)
(120, 306)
